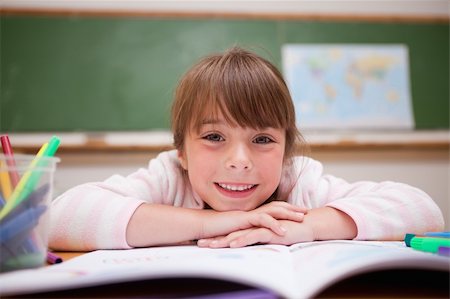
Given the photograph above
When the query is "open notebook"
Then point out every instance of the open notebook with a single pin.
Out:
(298, 271)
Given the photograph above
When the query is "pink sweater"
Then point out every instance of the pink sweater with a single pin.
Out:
(96, 215)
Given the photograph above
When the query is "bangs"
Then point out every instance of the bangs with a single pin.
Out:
(243, 96)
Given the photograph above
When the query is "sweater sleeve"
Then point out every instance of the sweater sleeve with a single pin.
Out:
(381, 211)
(95, 215)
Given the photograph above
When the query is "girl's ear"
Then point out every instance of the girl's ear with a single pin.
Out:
(182, 159)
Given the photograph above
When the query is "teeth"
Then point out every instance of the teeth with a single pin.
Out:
(236, 188)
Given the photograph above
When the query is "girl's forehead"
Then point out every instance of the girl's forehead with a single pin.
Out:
(215, 120)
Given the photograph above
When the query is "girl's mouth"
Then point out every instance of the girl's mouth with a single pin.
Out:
(235, 190)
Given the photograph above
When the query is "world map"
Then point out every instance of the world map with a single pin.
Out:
(349, 86)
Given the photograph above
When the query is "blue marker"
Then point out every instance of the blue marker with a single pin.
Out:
(25, 221)
(33, 200)
(438, 234)
(2, 201)
(20, 244)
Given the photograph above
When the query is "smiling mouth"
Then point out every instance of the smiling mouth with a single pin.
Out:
(236, 188)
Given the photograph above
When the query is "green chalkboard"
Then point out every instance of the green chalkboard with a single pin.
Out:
(105, 74)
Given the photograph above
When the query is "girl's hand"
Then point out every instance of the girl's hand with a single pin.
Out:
(296, 232)
(267, 216)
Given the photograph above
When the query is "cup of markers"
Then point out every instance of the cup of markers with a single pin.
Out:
(26, 183)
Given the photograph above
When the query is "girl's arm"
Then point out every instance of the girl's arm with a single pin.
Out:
(381, 210)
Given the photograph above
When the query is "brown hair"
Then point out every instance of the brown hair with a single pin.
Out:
(247, 89)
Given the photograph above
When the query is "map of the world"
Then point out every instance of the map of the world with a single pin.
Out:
(349, 86)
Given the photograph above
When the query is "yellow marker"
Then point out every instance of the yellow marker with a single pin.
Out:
(5, 183)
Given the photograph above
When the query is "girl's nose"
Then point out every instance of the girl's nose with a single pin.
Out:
(239, 158)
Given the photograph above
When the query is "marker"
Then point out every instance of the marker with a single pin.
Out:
(408, 237)
(438, 234)
(33, 200)
(429, 244)
(20, 243)
(23, 222)
(7, 150)
(30, 178)
(5, 182)
(52, 147)
(23, 261)
(53, 258)
(2, 201)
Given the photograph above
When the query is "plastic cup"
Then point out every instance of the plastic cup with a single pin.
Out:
(25, 207)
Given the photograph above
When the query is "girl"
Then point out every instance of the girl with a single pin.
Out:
(234, 179)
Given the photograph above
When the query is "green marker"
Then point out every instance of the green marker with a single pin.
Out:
(429, 244)
(53, 145)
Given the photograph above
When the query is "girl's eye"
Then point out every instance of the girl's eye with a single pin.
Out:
(262, 140)
(214, 137)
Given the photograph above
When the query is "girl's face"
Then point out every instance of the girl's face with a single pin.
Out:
(231, 167)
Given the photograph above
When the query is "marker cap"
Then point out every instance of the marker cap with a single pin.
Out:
(408, 238)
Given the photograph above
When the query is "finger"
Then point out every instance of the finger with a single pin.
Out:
(252, 237)
(295, 216)
(203, 243)
(220, 241)
(289, 206)
(225, 241)
(267, 221)
(206, 242)
(285, 214)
